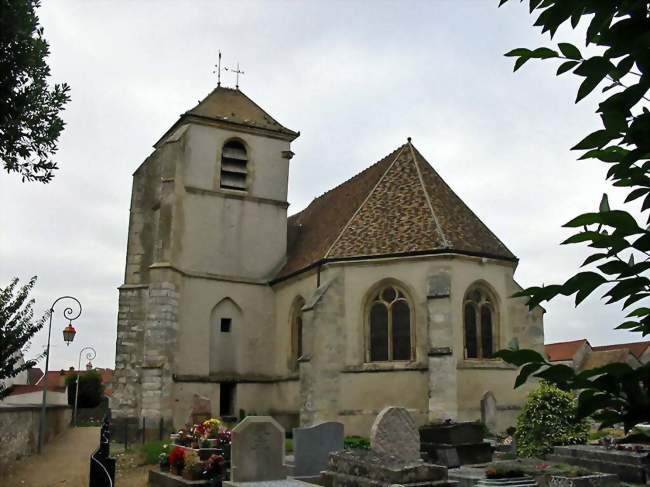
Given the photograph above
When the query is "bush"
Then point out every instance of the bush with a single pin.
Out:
(151, 450)
(91, 389)
(356, 443)
(548, 419)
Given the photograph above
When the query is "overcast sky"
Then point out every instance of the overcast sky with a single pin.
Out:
(356, 79)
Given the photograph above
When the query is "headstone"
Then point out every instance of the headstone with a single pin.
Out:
(489, 411)
(395, 434)
(312, 446)
(257, 451)
(201, 409)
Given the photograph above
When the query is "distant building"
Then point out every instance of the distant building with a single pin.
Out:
(580, 355)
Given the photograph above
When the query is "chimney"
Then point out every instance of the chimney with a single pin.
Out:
(89, 366)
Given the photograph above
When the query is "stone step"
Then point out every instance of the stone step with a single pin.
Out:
(335, 479)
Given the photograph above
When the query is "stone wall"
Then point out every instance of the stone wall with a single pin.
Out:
(19, 426)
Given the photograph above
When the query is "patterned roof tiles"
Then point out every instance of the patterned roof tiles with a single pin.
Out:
(399, 205)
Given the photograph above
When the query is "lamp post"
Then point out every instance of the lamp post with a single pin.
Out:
(68, 335)
(90, 356)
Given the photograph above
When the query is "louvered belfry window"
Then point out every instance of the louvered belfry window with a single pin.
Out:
(233, 166)
(479, 321)
(389, 320)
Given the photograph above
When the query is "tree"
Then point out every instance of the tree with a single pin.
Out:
(90, 388)
(620, 31)
(30, 121)
(17, 327)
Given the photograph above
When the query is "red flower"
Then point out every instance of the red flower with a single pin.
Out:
(177, 457)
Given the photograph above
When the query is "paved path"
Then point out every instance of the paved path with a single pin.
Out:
(64, 462)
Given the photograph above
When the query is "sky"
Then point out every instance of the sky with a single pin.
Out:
(356, 78)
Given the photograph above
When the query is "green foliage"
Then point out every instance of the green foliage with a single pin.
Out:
(91, 389)
(619, 264)
(151, 451)
(30, 121)
(548, 419)
(356, 443)
(17, 327)
(288, 445)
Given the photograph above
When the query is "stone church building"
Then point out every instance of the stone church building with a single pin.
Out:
(386, 290)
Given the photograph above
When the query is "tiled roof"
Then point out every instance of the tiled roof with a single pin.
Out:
(563, 350)
(636, 348)
(228, 105)
(18, 389)
(399, 205)
(34, 374)
(599, 358)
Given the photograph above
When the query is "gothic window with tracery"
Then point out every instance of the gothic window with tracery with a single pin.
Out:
(233, 165)
(296, 330)
(479, 319)
(389, 323)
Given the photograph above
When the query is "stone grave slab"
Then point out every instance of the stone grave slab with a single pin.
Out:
(257, 450)
(394, 433)
(312, 446)
(201, 410)
(455, 444)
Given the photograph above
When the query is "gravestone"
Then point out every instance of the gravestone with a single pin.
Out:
(489, 411)
(257, 451)
(455, 444)
(201, 410)
(394, 433)
(312, 446)
(394, 458)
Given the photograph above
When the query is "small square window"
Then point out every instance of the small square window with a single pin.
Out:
(225, 325)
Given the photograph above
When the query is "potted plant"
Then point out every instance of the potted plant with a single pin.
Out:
(177, 460)
(215, 470)
(163, 461)
(191, 461)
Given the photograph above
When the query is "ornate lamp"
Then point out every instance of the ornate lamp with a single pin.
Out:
(68, 334)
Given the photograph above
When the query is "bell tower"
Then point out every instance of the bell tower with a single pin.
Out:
(207, 232)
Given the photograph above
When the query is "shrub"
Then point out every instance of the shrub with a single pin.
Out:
(548, 419)
(91, 389)
(151, 451)
(356, 443)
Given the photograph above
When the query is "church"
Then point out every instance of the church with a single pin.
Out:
(385, 290)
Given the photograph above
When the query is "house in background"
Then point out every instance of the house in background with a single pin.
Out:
(580, 355)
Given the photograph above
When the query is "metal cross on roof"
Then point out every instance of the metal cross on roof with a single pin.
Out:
(218, 70)
(237, 73)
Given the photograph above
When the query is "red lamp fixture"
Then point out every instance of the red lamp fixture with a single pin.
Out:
(68, 334)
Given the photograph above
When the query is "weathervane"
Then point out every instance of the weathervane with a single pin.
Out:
(237, 73)
(218, 71)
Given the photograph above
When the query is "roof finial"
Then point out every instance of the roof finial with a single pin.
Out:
(218, 71)
(408, 139)
(237, 73)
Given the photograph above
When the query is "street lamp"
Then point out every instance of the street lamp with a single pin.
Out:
(90, 356)
(68, 335)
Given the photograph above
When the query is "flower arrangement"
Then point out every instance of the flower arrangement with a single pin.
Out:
(215, 467)
(177, 460)
(190, 470)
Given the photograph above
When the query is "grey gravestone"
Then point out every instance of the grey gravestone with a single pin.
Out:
(201, 410)
(257, 451)
(312, 446)
(489, 411)
(395, 434)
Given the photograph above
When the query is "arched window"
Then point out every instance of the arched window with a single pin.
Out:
(233, 166)
(479, 320)
(389, 325)
(296, 330)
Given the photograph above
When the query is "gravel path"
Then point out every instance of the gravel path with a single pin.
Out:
(64, 462)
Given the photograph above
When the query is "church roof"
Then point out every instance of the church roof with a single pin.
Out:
(399, 205)
(232, 105)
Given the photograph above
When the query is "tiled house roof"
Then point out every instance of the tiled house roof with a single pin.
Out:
(563, 350)
(399, 205)
(636, 348)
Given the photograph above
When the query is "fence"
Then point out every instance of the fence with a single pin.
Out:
(102, 466)
(130, 431)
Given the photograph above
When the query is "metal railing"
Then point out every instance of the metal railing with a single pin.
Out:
(102, 466)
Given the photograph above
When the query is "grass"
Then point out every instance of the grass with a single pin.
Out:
(356, 443)
(288, 445)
